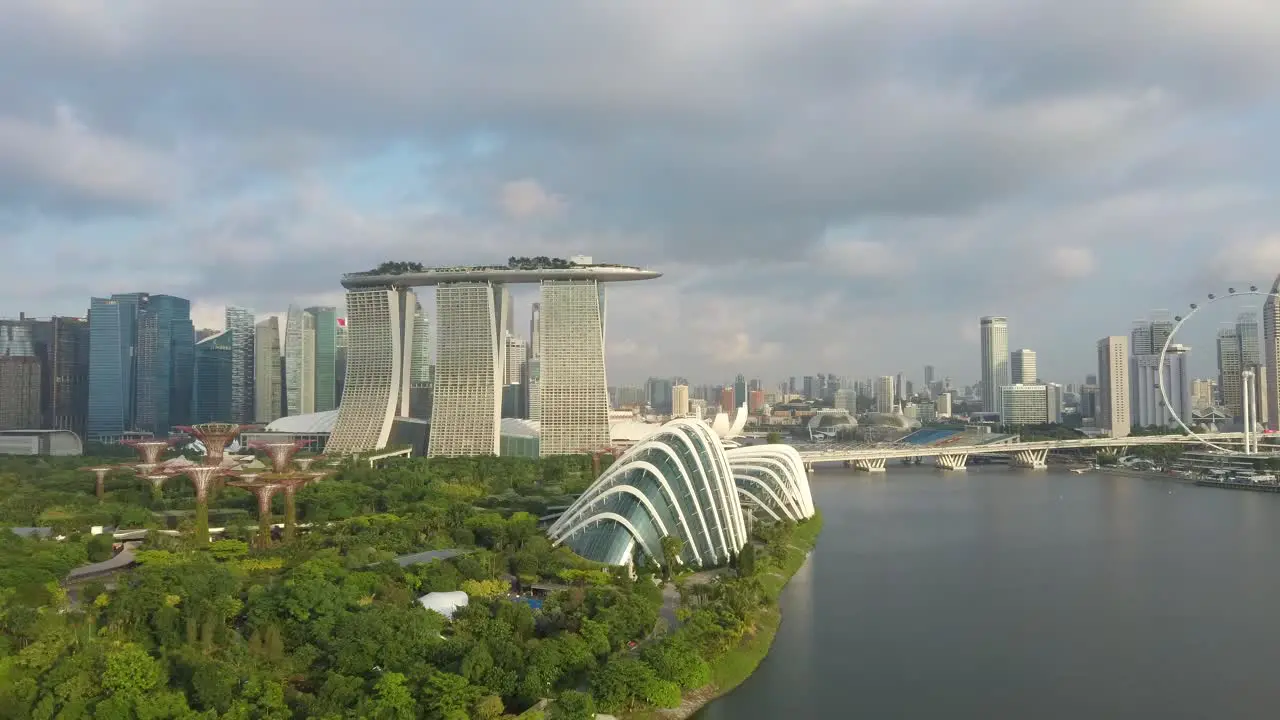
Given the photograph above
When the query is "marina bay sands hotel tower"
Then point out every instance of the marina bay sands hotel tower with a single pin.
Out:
(473, 308)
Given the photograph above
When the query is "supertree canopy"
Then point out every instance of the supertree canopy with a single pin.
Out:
(214, 436)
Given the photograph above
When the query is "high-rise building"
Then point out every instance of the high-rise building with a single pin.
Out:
(755, 401)
(517, 356)
(1250, 339)
(113, 324)
(575, 403)
(1271, 356)
(240, 324)
(380, 328)
(900, 388)
(473, 307)
(1148, 406)
(1022, 366)
(740, 389)
(680, 400)
(1090, 379)
(928, 376)
(267, 371)
(20, 377)
(162, 360)
(62, 344)
(466, 408)
(19, 392)
(324, 322)
(847, 400)
(1055, 402)
(1024, 404)
(885, 398)
(811, 389)
(727, 403)
(995, 360)
(659, 395)
(943, 405)
(299, 362)
(1113, 376)
(1202, 392)
(1229, 369)
(213, 381)
(340, 358)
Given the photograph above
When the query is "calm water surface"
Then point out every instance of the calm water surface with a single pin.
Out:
(1000, 593)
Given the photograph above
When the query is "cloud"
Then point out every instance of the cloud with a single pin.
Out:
(862, 258)
(848, 184)
(63, 162)
(526, 199)
(1070, 263)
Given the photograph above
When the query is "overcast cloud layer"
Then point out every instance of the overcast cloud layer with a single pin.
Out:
(827, 185)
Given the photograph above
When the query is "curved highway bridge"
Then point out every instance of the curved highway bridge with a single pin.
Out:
(1032, 453)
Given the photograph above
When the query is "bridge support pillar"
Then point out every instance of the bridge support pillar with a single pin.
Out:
(951, 462)
(870, 465)
(848, 463)
(808, 467)
(1037, 459)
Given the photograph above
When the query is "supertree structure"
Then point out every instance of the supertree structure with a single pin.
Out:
(157, 480)
(291, 483)
(202, 478)
(149, 451)
(304, 464)
(101, 471)
(263, 488)
(280, 453)
(214, 436)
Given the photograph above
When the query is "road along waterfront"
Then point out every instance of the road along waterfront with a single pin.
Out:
(1024, 593)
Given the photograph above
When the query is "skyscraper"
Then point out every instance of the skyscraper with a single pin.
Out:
(62, 344)
(473, 307)
(299, 362)
(19, 377)
(1271, 357)
(467, 393)
(240, 324)
(575, 399)
(380, 329)
(1113, 377)
(885, 398)
(164, 364)
(1229, 368)
(1148, 406)
(1023, 367)
(517, 357)
(680, 400)
(112, 341)
(995, 360)
(740, 389)
(340, 358)
(659, 395)
(421, 366)
(928, 376)
(214, 378)
(267, 371)
(325, 323)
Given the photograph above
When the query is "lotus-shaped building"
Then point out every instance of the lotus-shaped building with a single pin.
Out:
(680, 481)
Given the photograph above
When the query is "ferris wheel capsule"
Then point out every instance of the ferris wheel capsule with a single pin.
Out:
(1177, 318)
(1231, 290)
(1210, 296)
(1194, 306)
(1253, 288)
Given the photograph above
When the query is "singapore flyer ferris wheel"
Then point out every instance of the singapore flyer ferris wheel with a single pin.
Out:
(1248, 378)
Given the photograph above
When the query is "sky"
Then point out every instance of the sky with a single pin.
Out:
(827, 185)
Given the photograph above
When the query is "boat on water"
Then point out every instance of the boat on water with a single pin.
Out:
(1080, 471)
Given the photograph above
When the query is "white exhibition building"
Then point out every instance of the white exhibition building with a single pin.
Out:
(687, 480)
